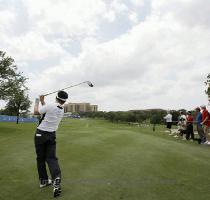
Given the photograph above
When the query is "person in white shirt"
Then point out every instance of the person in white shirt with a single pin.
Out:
(45, 140)
(168, 119)
(182, 124)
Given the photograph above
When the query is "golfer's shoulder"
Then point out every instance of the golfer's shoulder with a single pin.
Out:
(50, 106)
(53, 106)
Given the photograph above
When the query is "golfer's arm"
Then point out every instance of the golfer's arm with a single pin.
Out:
(36, 107)
(41, 98)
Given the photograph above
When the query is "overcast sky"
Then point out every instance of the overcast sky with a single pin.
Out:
(138, 53)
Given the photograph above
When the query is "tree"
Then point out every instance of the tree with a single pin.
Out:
(12, 87)
(110, 116)
(9, 77)
(18, 103)
(208, 86)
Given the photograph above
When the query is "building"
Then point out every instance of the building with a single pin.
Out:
(94, 108)
(80, 107)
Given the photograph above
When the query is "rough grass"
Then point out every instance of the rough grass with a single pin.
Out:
(105, 161)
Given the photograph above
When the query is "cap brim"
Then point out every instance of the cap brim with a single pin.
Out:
(61, 98)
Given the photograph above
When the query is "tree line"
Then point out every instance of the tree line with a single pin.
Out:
(153, 116)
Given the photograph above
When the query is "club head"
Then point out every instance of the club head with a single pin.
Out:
(89, 83)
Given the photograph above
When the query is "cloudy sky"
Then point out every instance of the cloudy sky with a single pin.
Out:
(138, 53)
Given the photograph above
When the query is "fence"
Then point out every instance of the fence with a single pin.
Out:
(6, 118)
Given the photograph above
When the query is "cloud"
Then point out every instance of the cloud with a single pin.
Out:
(134, 17)
(189, 12)
(68, 17)
(6, 17)
(138, 2)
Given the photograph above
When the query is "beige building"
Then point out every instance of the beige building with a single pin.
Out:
(80, 107)
(94, 108)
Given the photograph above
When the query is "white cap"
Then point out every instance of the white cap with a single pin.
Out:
(60, 98)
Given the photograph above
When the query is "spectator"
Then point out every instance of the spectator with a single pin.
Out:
(199, 126)
(168, 119)
(205, 122)
(189, 130)
(181, 125)
(182, 116)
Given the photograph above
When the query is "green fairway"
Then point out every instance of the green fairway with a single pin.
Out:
(104, 161)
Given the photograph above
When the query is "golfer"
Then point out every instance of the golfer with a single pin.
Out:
(45, 140)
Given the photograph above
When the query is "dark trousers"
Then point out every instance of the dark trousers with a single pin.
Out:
(45, 145)
(189, 132)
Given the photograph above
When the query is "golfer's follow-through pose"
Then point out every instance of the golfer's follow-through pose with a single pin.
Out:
(45, 143)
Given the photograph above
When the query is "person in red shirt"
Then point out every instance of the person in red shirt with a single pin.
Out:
(205, 122)
(189, 131)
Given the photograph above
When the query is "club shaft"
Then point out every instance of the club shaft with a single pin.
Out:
(66, 88)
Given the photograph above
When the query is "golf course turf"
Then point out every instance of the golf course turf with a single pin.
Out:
(106, 161)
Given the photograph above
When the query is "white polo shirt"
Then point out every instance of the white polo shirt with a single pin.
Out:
(168, 117)
(183, 117)
(53, 115)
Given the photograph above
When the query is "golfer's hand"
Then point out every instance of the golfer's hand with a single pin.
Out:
(42, 99)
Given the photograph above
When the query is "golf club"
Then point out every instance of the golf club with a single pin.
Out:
(85, 82)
